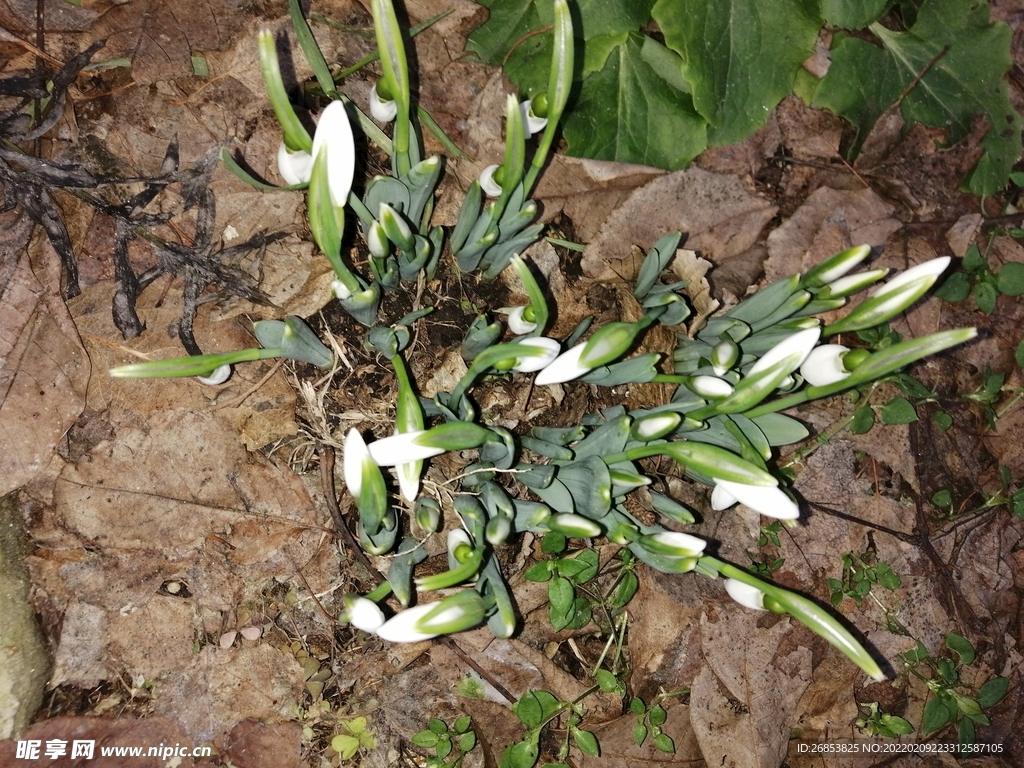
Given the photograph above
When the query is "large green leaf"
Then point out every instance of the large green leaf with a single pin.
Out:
(509, 36)
(741, 56)
(968, 58)
(853, 14)
(628, 112)
(508, 23)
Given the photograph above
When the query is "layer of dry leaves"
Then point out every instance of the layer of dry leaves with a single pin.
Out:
(167, 517)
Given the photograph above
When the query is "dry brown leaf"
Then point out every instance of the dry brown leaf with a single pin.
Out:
(619, 750)
(120, 732)
(252, 744)
(222, 687)
(828, 222)
(720, 217)
(742, 702)
(43, 367)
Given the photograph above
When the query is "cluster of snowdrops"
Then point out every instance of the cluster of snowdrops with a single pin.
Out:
(732, 379)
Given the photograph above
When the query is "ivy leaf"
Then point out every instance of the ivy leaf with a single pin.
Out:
(968, 58)
(629, 113)
(741, 56)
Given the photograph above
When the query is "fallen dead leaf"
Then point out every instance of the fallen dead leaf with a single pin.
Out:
(43, 367)
(718, 214)
(742, 701)
(829, 221)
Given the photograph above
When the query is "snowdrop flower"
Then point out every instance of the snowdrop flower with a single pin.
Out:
(424, 444)
(334, 133)
(294, 167)
(745, 595)
(675, 543)
(366, 484)
(608, 344)
(340, 290)
(711, 386)
(850, 284)
(825, 365)
(765, 376)
(724, 356)
(377, 240)
(217, 376)
(459, 547)
(655, 425)
(889, 300)
(383, 110)
(488, 183)
(458, 612)
(363, 614)
(669, 551)
(770, 501)
(543, 350)
(836, 266)
(532, 124)
(788, 354)
(574, 525)
(517, 323)
(565, 367)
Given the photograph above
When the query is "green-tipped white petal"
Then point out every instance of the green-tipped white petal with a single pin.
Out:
(765, 500)
(519, 324)
(825, 365)
(217, 377)
(490, 187)
(532, 124)
(565, 367)
(383, 111)
(294, 167)
(334, 131)
(745, 594)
